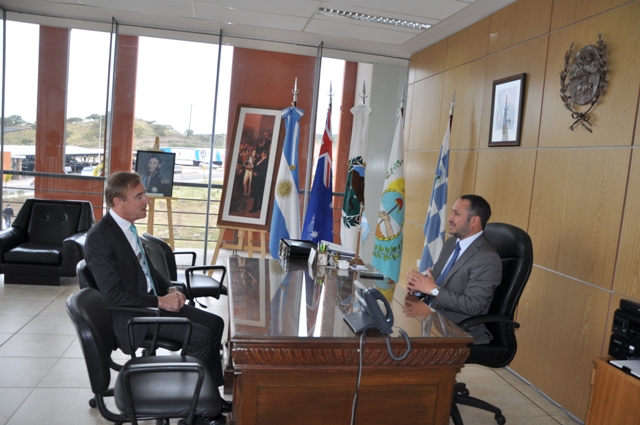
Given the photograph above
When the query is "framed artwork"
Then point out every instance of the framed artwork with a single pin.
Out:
(156, 170)
(250, 166)
(506, 111)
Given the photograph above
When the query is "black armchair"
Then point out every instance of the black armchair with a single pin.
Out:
(516, 251)
(197, 284)
(45, 241)
(153, 387)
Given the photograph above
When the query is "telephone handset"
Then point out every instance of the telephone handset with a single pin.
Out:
(374, 301)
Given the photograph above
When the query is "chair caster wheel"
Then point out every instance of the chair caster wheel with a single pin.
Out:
(464, 392)
(501, 420)
(93, 403)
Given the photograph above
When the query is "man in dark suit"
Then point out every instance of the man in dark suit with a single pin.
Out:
(259, 179)
(126, 279)
(467, 288)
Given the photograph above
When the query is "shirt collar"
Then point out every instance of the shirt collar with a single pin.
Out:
(464, 243)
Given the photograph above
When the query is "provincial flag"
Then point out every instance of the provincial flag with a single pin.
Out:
(353, 205)
(318, 222)
(387, 246)
(285, 220)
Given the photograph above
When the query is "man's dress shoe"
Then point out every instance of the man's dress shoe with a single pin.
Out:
(227, 406)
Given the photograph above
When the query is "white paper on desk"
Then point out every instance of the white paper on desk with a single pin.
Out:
(337, 248)
(630, 366)
(358, 267)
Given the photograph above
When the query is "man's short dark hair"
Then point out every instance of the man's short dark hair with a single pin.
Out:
(156, 157)
(118, 184)
(478, 206)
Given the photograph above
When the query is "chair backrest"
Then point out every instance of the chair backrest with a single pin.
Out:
(516, 251)
(161, 256)
(85, 277)
(56, 216)
(92, 319)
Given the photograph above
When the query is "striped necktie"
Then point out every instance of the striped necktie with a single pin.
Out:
(143, 258)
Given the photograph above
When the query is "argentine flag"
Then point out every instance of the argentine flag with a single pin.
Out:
(285, 220)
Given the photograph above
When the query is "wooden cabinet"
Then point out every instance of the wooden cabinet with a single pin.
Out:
(614, 396)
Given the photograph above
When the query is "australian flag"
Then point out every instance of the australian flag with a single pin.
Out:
(318, 223)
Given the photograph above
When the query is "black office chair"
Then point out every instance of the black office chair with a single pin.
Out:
(516, 251)
(147, 388)
(196, 284)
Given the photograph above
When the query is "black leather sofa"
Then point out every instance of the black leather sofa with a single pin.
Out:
(45, 241)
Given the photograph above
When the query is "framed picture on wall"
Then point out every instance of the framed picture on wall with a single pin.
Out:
(506, 111)
(156, 170)
(251, 163)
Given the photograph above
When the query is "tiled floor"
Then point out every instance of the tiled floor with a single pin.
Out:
(43, 377)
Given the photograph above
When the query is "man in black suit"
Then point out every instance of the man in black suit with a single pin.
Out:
(259, 179)
(126, 279)
(467, 289)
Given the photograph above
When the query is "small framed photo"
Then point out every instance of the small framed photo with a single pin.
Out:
(506, 111)
(250, 168)
(156, 170)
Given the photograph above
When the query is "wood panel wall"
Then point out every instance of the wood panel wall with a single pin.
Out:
(576, 193)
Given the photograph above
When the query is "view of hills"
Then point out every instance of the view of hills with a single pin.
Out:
(86, 133)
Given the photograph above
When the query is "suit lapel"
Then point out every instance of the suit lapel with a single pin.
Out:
(119, 234)
(466, 255)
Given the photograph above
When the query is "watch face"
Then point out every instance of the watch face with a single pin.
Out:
(435, 292)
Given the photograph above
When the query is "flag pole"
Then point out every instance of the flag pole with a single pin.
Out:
(295, 92)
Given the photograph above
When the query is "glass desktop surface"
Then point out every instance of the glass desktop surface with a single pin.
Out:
(270, 298)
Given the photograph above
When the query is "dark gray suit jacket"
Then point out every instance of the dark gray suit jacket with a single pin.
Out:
(468, 289)
(120, 278)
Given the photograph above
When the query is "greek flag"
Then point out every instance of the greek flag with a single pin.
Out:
(434, 226)
(285, 220)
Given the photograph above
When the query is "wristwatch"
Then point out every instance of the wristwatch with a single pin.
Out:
(435, 291)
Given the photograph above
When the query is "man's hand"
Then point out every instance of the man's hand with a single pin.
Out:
(417, 282)
(173, 301)
(414, 307)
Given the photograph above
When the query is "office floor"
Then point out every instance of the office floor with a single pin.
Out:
(43, 378)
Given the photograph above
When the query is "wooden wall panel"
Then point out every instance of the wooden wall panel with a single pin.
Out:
(627, 276)
(566, 12)
(636, 138)
(425, 118)
(462, 174)
(508, 28)
(468, 83)
(468, 44)
(428, 62)
(419, 174)
(563, 325)
(576, 211)
(505, 180)
(523, 58)
(613, 118)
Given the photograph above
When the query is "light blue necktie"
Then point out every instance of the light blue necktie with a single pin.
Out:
(143, 258)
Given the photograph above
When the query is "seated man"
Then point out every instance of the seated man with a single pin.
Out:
(464, 278)
(126, 279)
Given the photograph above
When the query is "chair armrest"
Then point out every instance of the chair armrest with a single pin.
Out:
(487, 318)
(181, 287)
(145, 311)
(192, 253)
(209, 267)
(11, 238)
(157, 322)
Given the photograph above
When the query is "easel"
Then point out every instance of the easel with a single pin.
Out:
(241, 232)
(150, 219)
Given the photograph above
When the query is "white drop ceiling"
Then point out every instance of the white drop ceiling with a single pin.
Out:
(292, 21)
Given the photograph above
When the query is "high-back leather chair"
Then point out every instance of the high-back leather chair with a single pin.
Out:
(45, 241)
(197, 284)
(516, 251)
(162, 387)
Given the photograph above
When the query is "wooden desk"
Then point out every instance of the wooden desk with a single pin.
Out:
(614, 396)
(295, 360)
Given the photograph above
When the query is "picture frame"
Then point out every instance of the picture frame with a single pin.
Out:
(156, 170)
(507, 103)
(250, 167)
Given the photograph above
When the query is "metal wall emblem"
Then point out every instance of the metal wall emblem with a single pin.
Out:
(586, 81)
